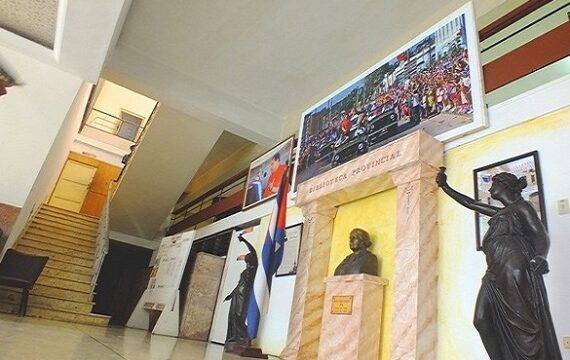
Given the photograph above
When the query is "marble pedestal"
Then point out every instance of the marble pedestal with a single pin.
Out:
(352, 317)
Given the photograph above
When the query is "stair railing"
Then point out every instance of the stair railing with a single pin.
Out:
(102, 241)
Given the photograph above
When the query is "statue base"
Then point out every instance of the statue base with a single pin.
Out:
(245, 350)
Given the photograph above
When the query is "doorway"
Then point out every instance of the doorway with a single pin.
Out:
(83, 185)
(73, 185)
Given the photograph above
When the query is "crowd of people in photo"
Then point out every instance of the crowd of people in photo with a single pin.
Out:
(442, 86)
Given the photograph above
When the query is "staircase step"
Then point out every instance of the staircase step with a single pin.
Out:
(70, 267)
(59, 293)
(52, 209)
(60, 315)
(13, 296)
(67, 275)
(59, 231)
(55, 249)
(63, 291)
(55, 243)
(65, 227)
(63, 220)
(49, 236)
(54, 255)
(64, 284)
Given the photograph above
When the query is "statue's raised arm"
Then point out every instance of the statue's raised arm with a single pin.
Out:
(249, 247)
(485, 209)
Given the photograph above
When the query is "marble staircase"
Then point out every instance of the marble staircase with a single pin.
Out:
(63, 290)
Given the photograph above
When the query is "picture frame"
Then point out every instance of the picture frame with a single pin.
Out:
(521, 165)
(262, 181)
(434, 82)
(293, 238)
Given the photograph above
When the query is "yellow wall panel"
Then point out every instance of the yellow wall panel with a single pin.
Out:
(377, 215)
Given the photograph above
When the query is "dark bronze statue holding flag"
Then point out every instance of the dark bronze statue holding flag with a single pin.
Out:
(237, 338)
(512, 314)
(255, 281)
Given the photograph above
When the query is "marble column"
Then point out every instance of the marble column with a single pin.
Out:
(308, 298)
(415, 277)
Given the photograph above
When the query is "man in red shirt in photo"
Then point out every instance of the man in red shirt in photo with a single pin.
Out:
(277, 171)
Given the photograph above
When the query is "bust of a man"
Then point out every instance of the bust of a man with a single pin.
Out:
(361, 261)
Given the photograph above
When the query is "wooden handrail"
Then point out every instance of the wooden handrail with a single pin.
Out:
(231, 202)
(211, 192)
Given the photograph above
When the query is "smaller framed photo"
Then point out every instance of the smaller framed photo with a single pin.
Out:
(290, 260)
(526, 165)
(265, 174)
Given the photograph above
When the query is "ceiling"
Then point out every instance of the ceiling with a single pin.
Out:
(33, 19)
(252, 66)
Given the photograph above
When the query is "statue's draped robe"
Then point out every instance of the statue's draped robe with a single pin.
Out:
(237, 329)
(517, 296)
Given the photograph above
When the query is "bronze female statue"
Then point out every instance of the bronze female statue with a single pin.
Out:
(512, 314)
(237, 338)
(361, 260)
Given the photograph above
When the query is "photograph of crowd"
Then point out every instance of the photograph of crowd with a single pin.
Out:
(428, 86)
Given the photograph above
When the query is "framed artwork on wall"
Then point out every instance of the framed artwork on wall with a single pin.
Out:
(526, 165)
(290, 260)
(265, 173)
(432, 83)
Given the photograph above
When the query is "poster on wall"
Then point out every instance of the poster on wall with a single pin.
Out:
(526, 165)
(290, 251)
(166, 273)
(265, 173)
(433, 83)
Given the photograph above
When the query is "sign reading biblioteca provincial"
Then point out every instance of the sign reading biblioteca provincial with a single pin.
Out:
(370, 165)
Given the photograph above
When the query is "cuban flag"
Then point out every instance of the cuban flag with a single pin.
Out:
(269, 260)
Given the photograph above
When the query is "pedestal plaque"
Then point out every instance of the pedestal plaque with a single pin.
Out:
(352, 317)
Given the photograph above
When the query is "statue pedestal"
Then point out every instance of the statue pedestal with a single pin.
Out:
(352, 316)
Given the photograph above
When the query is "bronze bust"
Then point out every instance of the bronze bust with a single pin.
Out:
(361, 261)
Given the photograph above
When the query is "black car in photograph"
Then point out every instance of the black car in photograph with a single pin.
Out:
(382, 127)
(325, 151)
(351, 146)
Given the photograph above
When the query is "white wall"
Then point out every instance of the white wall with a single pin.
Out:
(100, 151)
(100, 136)
(52, 156)
(31, 115)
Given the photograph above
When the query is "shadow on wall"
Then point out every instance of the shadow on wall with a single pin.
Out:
(8, 216)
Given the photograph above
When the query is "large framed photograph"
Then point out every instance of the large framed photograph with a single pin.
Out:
(290, 260)
(266, 172)
(434, 82)
(526, 165)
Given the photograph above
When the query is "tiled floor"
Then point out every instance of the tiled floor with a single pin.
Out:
(37, 339)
